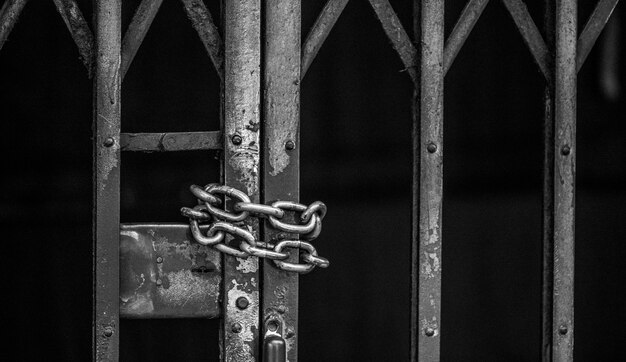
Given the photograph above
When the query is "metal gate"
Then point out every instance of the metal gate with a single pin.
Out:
(260, 61)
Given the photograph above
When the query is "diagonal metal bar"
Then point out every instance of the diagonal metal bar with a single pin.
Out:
(202, 21)
(137, 30)
(593, 28)
(319, 32)
(532, 37)
(397, 35)
(470, 15)
(9, 14)
(79, 29)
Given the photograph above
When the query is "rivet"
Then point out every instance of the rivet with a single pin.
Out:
(290, 145)
(565, 150)
(236, 328)
(563, 329)
(108, 331)
(159, 259)
(242, 303)
(281, 309)
(432, 148)
(236, 139)
(109, 141)
(429, 332)
(290, 333)
(159, 282)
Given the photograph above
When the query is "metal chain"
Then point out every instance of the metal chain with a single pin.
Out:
(223, 222)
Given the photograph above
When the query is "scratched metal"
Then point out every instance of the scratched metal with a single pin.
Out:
(597, 21)
(202, 21)
(564, 174)
(319, 32)
(281, 177)
(463, 27)
(9, 14)
(172, 141)
(107, 179)
(397, 35)
(165, 274)
(137, 30)
(242, 92)
(431, 179)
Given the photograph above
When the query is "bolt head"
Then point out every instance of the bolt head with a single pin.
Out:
(429, 332)
(242, 303)
(236, 139)
(108, 331)
(159, 282)
(290, 333)
(562, 329)
(289, 145)
(281, 309)
(159, 259)
(108, 142)
(431, 148)
(236, 327)
(566, 150)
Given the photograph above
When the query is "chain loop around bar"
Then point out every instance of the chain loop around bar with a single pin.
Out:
(222, 223)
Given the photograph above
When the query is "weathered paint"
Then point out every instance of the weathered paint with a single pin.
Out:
(597, 21)
(319, 32)
(202, 21)
(76, 24)
(10, 12)
(106, 180)
(137, 30)
(241, 94)
(564, 183)
(463, 27)
(171, 141)
(397, 35)
(164, 274)
(281, 178)
(431, 180)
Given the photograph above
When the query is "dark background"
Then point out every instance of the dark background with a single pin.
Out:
(356, 124)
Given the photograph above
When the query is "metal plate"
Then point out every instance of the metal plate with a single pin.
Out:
(164, 274)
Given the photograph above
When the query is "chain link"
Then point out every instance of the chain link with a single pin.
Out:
(224, 223)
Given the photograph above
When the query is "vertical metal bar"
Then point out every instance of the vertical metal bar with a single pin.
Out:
(9, 14)
(106, 152)
(242, 82)
(415, 193)
(564, 187)
(281, 149)
(431, 179)
(548, 192)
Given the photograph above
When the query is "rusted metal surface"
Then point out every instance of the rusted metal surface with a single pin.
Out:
(172, 141)
(10, 12)
(242, 100)
(137, 30)
(531, 35)
(597, 21)
(281, 166)
(462, 29)
(164, 273)
(547, 226)
(431, 179)
(397, 35)
(319, 32)
(202, 21)
(78, 27)
(107, 179)
(564, 173)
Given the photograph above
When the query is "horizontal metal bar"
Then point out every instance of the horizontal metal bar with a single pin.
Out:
(462, 29)
(398, 36)
(532, 36)
(202, 21)
(598, 19)
(137, 30)
(9, 14)
(172, 141)
(165, 274)
(82, 35)
(319, 32)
